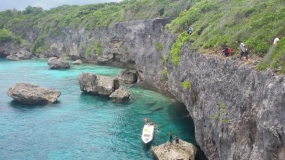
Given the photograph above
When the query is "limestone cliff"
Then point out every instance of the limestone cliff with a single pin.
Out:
(238, 112)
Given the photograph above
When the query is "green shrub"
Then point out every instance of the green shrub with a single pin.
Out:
(224, 120)
(90, 35)
(165, 74)
(166, 58)
(223, 105)
(43, 48)
(97, 47)
(40, 45)
(5, 35)
(159, 46)
(186, 84)
(177, 46)
(216, 116)
(221, 113)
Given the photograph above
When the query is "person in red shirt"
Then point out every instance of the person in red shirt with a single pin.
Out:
(176, 139)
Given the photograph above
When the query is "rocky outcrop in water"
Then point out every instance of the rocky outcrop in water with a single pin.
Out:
(23, 54)
(32, 94)
(77, 62)
(95, 84)
(12, 57)
(121, 94)
(127, 77)
(174, 151)
(58, 63)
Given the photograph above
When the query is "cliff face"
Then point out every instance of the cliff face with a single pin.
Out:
(237, 111)
(131, 44)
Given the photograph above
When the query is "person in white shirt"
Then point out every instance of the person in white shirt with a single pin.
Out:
(243, 50)
(276, 40)
(190, 30)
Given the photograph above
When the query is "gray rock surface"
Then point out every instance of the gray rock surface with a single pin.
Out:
(121, 94)
(95, 84)
(32, 94)
(23, 54)
(12, 57)
(127, 77)
(58, 63)
(238, 112)
(19, 54)
(174, 151)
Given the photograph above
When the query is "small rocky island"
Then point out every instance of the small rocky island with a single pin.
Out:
(58, 63)
(102, 85)
(32, 94)
(174, 151)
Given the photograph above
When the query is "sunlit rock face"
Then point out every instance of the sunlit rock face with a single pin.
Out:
(100, 85)
(32, 94)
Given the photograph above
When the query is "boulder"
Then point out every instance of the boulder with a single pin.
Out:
(58, 63)
(173, 151)
(95, 84)
(32, 94)
(121, 94)
(127, 77)
(23, 54)
(20, 54)
(12, 57)
(77, 62)
(105, 58)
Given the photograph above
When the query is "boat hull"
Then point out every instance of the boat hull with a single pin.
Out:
(147, 133)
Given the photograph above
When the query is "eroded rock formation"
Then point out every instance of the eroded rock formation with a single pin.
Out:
(121, 94)
(77, 62)
(58, 63)
(173, 151)
(95, 84)
(127, 77)
(32, 94)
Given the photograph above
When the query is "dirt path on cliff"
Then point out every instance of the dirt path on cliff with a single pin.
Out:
(252, 61)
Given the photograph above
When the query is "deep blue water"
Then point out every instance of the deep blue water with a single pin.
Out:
(81, 126)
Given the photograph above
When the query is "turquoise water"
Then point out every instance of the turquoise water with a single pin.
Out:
(81, 126)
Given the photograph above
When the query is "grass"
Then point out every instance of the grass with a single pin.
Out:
(255, 22)
(177, 46)
(216, 23)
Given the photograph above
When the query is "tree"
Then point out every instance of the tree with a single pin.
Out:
(5, 35)
(33, 10)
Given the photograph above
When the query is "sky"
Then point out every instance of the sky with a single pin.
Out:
(45, 4)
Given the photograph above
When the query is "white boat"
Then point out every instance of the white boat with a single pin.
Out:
(147, 133)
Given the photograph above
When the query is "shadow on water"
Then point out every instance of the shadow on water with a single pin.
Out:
(21, 106)
(182, 116)
(87, 97)
(147, 146)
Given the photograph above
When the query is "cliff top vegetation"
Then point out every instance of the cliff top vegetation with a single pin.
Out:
(216, 23)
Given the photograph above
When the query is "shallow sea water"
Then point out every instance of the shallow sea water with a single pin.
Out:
(82, 126)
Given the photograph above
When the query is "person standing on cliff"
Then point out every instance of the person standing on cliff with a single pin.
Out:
(276, 40)
(226, 50)
(190, 30)
(176, 139)
(170, 137)
(243, 50)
